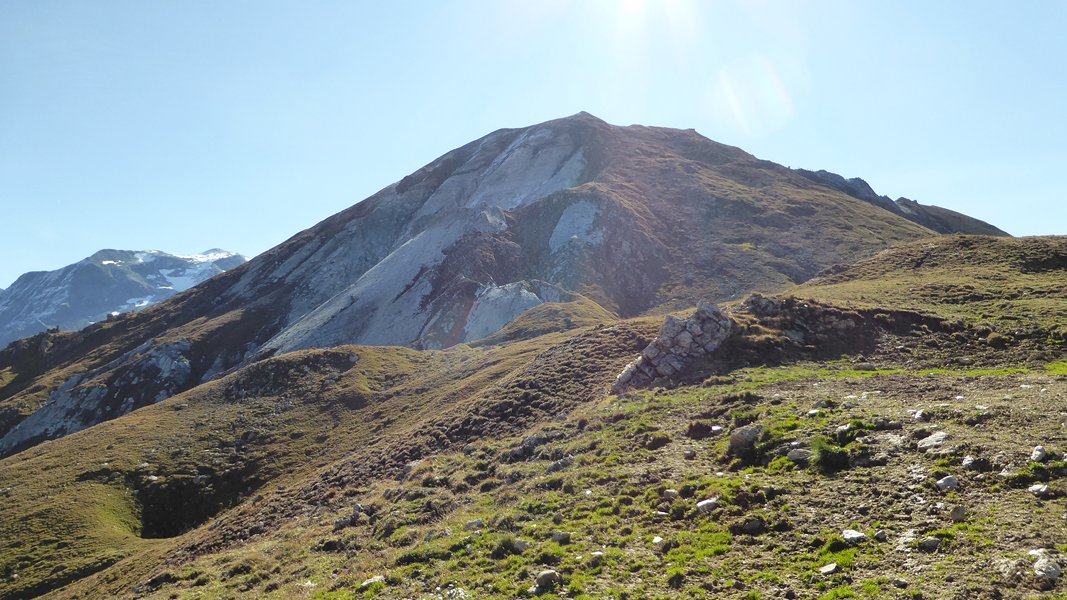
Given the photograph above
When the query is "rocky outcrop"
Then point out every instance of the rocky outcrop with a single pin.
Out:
(148, 374)
(680, 342)
(936, 218)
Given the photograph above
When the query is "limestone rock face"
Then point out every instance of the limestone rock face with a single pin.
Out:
(679, 343)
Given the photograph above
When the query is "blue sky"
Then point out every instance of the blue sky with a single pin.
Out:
(186, 125)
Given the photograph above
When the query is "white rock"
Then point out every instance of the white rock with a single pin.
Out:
(932, 441)
(853, 537)
(708, 505)
(373, 580)
(829, 569)
(948, 483)
(1038, 489)
(1039, 454)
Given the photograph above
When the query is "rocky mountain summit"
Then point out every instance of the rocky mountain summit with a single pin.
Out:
(596, 218)
(106, 284)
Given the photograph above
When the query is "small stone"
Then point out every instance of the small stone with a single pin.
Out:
(1048, 571)
(899, 583)
(968, 462)
(561, 537)
(754, 526)
(883, 423)
(958, 514)
(373, 580)
(743, 439)
(932, 441)
(1039, 454)
(853, 537)
(881, 535)
(929, 544)
(1038, 489)
(948, 483)
(656, 541)
(708, 505)
(829, 569)
(689, 454)
(670, 494)
(547, 580)
(474, 524)
(799, 455)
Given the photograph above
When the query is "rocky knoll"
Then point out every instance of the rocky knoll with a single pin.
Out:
(680, 341)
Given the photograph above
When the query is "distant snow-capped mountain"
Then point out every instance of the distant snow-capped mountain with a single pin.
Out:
(107, 283)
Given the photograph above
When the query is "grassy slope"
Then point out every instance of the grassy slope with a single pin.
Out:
(307, 410)
(610, 501)
(331, 436)
(1008, 283)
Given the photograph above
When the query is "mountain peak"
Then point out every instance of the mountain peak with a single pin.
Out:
(107, 282)
(593, 218)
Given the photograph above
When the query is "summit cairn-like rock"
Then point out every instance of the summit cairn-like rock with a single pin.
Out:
(679, 343)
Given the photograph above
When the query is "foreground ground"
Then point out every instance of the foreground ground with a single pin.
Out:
(589, 498)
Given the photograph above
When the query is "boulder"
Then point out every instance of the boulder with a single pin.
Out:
(1047, 572)
(743, 439)
(679, 343)
(547, 579)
